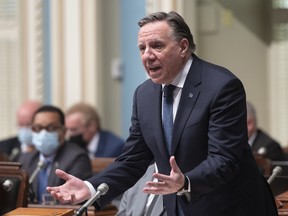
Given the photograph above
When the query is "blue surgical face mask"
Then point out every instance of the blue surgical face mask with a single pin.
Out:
(25, 135)
(46, 142)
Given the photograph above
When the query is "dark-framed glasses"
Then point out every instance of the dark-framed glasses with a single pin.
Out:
(50, 128)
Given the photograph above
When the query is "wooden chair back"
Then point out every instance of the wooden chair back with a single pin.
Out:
(100, 163)
(15, 196)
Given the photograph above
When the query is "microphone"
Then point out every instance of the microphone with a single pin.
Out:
(262, 151)
(276, 171)
(15, 152)
(101, 190)
(7, 185)
(40, 166)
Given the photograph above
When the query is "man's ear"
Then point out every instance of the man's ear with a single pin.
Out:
(184, 45)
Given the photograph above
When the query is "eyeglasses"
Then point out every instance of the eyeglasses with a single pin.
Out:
(49, 128)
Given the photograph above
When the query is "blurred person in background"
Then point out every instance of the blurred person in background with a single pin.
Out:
(53, 152)
(260, 142)
(21, 143)
(83, 127)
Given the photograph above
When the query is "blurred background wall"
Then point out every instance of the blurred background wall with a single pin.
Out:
(65, 51)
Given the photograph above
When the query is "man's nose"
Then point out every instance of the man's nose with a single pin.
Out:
(148, 54)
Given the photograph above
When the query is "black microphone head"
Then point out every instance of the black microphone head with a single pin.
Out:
(277, 170)
(103, 188)
(7, 185)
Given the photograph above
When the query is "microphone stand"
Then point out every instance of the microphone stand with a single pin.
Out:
(31, 195)
(275, 172)
(101, 190)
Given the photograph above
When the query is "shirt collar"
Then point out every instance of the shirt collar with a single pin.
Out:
(49, 158)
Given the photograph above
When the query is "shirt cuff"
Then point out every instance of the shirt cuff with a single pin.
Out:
(91, 188)
(186, 190)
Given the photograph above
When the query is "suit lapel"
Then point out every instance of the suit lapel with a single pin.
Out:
(189, 95)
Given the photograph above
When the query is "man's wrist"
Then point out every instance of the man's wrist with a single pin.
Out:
(186, 187)
(91, 188)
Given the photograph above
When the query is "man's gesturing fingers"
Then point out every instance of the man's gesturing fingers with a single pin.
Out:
(166, 184)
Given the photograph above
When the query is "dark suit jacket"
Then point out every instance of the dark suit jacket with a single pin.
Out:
(11, 147)
(209, 142)
(273, 148)
(70, 157)
(109, 145)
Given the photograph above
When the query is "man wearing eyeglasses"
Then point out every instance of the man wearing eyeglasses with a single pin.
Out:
(53, 152)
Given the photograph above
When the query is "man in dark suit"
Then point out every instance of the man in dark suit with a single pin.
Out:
(83, 127)
(52, 150)
(209, 168)
(21, 143)
(260, 142)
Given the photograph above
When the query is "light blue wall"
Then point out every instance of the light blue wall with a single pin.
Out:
(131, 12)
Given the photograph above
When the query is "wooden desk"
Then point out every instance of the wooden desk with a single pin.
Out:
(109, 210)
(40, 212)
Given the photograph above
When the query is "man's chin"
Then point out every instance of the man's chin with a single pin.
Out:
(157, 80)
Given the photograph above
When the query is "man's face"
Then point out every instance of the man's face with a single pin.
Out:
(49, 121)
(75, 125)
(24, 118)
(162, 56)
(251, 127)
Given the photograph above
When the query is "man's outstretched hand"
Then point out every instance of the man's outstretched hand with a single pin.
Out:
(73, 191)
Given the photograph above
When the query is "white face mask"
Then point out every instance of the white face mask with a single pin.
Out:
(25, 135)
(46, 142)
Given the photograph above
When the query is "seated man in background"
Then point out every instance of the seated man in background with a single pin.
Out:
(53, 152)
(21, 143)
(83, 127)
(135, 202)
(260, 142)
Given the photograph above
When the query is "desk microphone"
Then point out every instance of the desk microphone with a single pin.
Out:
(15, 152)
(262, 151)
(40, 165)
(276, 171)
(101, 190)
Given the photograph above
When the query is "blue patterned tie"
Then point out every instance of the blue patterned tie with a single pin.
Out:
(167, 119)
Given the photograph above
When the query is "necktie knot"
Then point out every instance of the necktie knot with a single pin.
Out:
(47, 163)
(168, 90)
